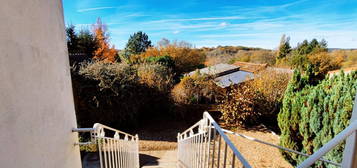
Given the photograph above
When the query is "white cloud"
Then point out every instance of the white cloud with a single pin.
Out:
(176, 32)
(93, 9)
(200, 19)
(223, 24)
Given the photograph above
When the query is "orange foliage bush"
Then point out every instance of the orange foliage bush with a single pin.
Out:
(256, 100)
(186, 59)
(241, 106)
(271, 83)
(324, 62)
(195, 89)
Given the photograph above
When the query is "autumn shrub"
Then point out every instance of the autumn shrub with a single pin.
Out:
(350, 59)
(118, 94)
(194, 94)
(195, 89)
(155, 75)
(241, 106)
(312, 114)
(271, 83)
(185, 59)
(323, 62)
(256, 101)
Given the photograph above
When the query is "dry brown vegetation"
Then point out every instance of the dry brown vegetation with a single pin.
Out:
(349, 57)
(150, 145)
(195, 89)
(251, 102)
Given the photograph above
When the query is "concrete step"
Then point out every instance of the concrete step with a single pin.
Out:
(163, 159)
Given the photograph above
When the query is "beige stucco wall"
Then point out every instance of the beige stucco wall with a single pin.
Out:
(36, 102)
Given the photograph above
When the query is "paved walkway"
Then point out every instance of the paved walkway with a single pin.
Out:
(158, 159)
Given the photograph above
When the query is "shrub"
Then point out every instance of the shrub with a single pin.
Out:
(350, 58)
(100, 89)
(163, 60)
(312, 114)
(271, 84)
(323, 62)
(185, 59)
(255, 101)
(241, 106)
(195, 89)
(118, 94)
(193, 95)
(155, 75)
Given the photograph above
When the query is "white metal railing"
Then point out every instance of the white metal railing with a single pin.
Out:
(120, 150)
(279, 147)
(352, 128)
(205, 145)
(200, 146)
(349, 159)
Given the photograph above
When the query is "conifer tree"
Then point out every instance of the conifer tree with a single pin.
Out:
(313, 113)
(87, 43)
(138, 43)
(284, 47)
(72, 39)
(104, 51)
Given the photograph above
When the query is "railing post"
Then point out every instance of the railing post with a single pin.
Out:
(349, 159)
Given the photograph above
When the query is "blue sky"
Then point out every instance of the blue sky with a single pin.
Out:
(255, 23)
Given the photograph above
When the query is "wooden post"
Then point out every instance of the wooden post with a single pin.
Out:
(349, 159)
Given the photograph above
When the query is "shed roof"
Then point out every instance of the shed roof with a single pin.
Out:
(233, 78)
(217, 70)
(250, 67)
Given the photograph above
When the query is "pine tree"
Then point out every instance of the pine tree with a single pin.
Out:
(284, 47)
(137, 43)
(87, 43)
(72, 39)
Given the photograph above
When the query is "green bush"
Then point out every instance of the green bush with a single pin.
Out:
(312, 114)
(164, 60)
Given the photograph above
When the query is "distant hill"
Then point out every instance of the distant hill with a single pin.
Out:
(230, 54)
(344, 49)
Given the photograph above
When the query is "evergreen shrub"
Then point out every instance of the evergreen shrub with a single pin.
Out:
(312, 114)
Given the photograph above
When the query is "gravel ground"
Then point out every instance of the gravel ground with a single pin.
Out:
(257, 154)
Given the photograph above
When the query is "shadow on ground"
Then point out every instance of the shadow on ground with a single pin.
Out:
(147, 160)
(161, 130)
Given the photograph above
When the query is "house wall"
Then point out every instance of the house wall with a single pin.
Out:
(36, 101)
